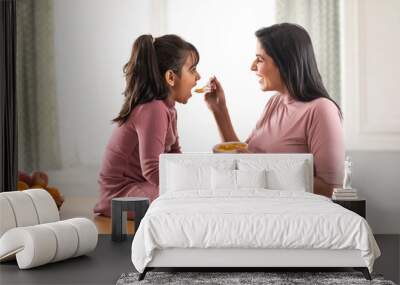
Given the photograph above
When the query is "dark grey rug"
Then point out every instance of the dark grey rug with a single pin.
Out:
(270, 278)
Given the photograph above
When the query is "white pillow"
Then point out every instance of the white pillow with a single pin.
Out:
(291, 179)
(281, 174)
(223, 179)
(227, 179)
(193, 174)
(251, 178)
(188, 177)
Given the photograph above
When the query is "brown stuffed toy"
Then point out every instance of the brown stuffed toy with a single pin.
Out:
(39, 180)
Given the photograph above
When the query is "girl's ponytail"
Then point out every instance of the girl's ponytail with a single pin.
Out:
(144, 81)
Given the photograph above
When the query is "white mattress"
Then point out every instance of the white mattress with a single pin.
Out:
(252, 219)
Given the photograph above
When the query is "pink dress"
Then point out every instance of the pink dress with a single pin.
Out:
(291, 126)
(130, 162)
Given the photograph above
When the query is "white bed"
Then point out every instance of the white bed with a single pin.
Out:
(247, 210)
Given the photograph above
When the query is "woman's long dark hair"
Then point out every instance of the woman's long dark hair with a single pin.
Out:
(144, 72)
(290, 47)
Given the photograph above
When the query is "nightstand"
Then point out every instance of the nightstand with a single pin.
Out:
(119, 208)
(358, 206)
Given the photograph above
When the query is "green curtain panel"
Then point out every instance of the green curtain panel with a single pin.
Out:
(321, 18)
(38, 141)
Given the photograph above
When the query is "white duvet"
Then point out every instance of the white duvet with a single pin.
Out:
(250, 219)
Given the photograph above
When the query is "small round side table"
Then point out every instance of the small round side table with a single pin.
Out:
(119, 208)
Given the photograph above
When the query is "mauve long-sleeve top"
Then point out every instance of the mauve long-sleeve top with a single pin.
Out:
(291, 126)
(131, 159)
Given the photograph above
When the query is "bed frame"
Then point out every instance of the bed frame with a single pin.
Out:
(249, 259)
(246, 259)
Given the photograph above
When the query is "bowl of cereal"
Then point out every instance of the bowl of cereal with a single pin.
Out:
(230, 147)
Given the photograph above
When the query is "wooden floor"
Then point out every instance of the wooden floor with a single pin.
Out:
(104, 225)
(74, 207)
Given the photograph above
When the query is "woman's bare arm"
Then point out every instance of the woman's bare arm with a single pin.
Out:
(216, 103)
(225, 127)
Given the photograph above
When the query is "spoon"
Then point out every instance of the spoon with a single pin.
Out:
(204, 89)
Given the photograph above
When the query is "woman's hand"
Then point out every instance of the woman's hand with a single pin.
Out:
(216, 98)
(246, 150)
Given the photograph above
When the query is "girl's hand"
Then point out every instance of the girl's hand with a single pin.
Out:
(215, 99)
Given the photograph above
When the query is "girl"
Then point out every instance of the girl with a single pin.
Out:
(301, 117)
(160, 72)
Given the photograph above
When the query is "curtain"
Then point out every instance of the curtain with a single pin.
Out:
(8, 141)
(321, 19)
(36, 90)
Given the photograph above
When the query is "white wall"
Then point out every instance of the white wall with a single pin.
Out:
(223, 32)
(370, 74)
(370, 103)
(376, 176)
(93, 40)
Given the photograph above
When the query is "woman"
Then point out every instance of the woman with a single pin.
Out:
(301, 117)
(160, 72)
